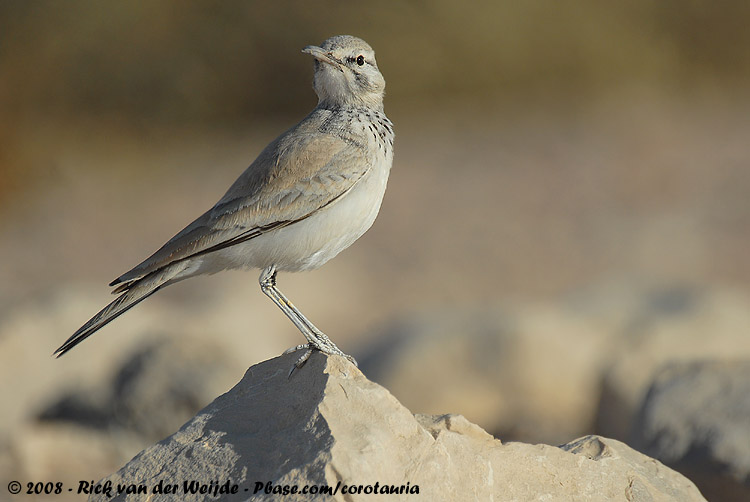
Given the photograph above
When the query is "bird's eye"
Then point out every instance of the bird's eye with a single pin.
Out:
(360, 60)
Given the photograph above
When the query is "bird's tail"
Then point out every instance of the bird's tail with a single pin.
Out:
(132, 293)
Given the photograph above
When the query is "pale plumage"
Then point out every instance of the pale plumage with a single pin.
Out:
(310, 194)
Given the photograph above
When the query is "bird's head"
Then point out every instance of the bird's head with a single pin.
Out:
(346, 73)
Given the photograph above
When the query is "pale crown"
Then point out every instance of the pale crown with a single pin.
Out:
(346, 73)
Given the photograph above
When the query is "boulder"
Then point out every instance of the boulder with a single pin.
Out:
(527, 371)
(666, 326)
(696, 419)
(327, 425)
(92, 428)
(151, 394)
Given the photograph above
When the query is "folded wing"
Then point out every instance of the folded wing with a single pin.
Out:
(295, 176)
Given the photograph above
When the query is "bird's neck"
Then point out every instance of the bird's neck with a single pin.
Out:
(353, 105)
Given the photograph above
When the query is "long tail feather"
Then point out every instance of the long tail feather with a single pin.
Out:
(132, 294)
(116, 308)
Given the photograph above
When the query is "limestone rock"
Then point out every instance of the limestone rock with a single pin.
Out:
(91, 429)
(671, 325)
(328, 425)
(528, 371)
(151, 394)
(696, 418)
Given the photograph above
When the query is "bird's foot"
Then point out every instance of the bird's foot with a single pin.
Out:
(296, 348)
(327, 348)
(330, 346)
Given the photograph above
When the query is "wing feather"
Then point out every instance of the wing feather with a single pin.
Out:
(296, 175)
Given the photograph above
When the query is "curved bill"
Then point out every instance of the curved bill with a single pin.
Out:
(321, 55)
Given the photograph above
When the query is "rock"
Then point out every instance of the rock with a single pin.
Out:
(668, 325)
(92, 429)
(530, 372)
(328, 425)
(696, 419)
(67, 452)
(154, 391)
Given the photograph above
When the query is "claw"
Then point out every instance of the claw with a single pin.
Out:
(303, 358)
(301, 361)
(351, 360)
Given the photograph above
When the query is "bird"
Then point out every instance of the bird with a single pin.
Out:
(309, 195)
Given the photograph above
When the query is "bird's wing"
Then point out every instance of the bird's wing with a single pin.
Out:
(296, 175)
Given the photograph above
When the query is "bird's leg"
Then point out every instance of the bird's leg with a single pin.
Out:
(267, 285)
(316, 339)
(267, 282)
(318, 334)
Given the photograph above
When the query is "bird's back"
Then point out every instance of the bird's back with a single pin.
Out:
(308, 167)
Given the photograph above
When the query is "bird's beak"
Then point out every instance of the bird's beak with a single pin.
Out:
(321, 55)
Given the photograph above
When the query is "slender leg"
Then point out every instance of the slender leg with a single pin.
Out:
(316, 339)
(318, 334)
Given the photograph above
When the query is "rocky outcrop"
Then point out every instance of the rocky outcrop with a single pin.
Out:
(679, 325)
(537, 372)
(530, 371)
(150, 395)
(695, 419)
(327, 425)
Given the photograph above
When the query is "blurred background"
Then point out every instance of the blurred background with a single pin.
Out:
(565, 232)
